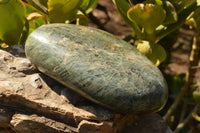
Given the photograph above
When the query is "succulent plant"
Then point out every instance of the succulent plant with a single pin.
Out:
(12, 14)
(65, 10)
(16, 16)
(152, 20)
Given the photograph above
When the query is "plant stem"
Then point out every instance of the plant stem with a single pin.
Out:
(194, 59)
(186, 121)
(176, 102)
(130, 2)
(184, 109)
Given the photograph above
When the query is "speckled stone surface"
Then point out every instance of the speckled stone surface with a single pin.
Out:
(99, 66)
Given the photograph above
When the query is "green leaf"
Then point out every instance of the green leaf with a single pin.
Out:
(35, 23)
(198, 2)
(196, 116)
(29, 8)
(180, 5)
(182, 17)
(43, 2)
(59, 10)
(196, 95)
(37, 5)
(81, 19)
(24, 33)
(154, 52)
(88, 6)
(85, 5)
(122, 7)
(157, 2)
(148, 16)
(35, 19)
(171, 14)
(12, 14)
(196, 18)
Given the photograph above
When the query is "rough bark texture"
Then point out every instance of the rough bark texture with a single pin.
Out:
(31, 102)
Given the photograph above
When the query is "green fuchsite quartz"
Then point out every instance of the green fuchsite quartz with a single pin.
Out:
(99, 66)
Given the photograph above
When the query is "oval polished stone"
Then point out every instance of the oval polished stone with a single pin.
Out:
(99, 66)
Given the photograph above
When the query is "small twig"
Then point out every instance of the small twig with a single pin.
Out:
(194, 59)
(130, 2)
(184, 109)
(195, 67)
(176, 102)
(186, 121)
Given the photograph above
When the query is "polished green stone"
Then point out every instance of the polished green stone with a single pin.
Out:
(99, 66)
